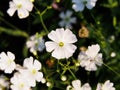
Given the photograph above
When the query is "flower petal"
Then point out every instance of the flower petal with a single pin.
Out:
(69, 50)
(28, 5)
(39, 76)
(95, 48)
(50, 46)
(56, 35)
(23, 13)
(90, 4)
(69, 13)
(37, 65)
(62, 15)
(73, 20)
(58, 53)
(76, 84)
(86, 86)
(28, 62)
(11, 11)
(78, 7)
(61, 23)
(69, 37)
(11, 55)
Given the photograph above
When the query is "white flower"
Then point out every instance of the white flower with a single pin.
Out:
(79, 5)
(32, 71)
(35, 43)
(7, 62)
(61, 45)
(111, 39)
(76, 85)
(106, 86)
(90, 58)
(67, 20)
(23, 7)
(19, 82)
(43, 80)
(113, 54)
(63, 78)
(48, 84)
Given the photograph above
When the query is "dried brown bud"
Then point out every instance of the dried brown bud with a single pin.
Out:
(50, 63)
(83, 32)
(83, 48)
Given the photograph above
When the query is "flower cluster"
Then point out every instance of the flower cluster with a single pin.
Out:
(106, 86)
(64, 45)
(76, 85)
(26, 75)
(90, 58)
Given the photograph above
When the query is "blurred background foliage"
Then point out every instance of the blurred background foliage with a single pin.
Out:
(102, 22)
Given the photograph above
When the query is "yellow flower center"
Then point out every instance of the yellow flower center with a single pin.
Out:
(19, 5)
(61, 44)
(32, 0)
(34, 71)
(9, 61)
(22, 85)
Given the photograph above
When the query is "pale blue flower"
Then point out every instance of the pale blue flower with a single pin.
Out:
(79, 5)
(67, 20)
(36, 43)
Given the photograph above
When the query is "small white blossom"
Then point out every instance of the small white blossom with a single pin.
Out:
(7, 62)
(76, 85)
(48, 84)
(32, 72)
(35, 43)
(63, 78)
(113, 54)
(79, 5)
(61, 45)
(91, 58)
(23, 7)
(43, 80)
(67, 20)
(111, 39)
(19, 82)
(106, 86)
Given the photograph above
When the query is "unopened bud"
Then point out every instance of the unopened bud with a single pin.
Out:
(63, 78)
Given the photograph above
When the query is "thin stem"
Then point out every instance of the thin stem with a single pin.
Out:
(43, 24)
(111, 69)
(41, 19)
(72, 73)
(48, 7)
(7, 23)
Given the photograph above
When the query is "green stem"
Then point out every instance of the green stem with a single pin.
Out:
(7, 23)
(48, 7)
(41, 19)
(111, 69)
(72, 73)
(43, 24)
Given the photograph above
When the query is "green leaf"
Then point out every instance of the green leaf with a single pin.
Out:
(13, 32)
(1, 13)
